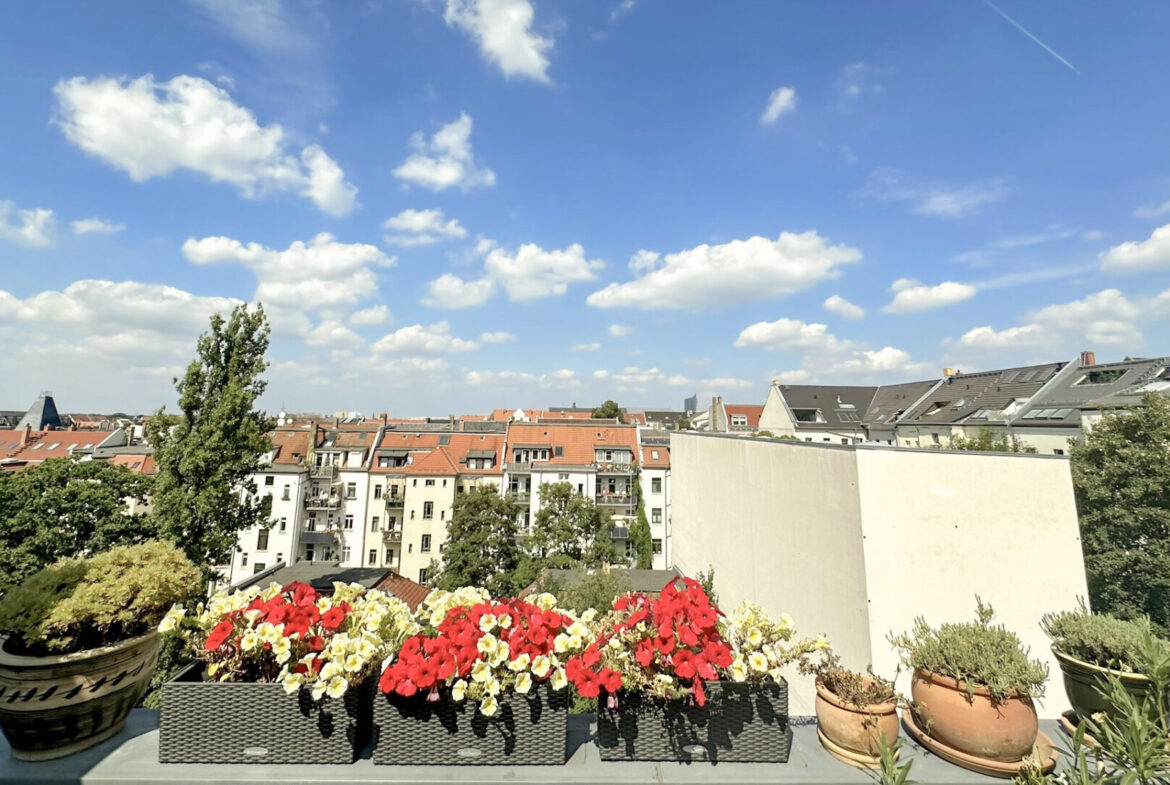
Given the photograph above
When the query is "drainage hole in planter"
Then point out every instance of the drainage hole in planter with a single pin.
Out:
(255, 752)
(468, 752)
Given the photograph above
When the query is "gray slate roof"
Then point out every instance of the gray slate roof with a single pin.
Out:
(321, 575)
(842, 407)
(894, 399)
(41, 415)
(1095, 387)
(973, 398)
(639, 580)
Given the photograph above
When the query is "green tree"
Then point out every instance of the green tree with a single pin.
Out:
(204, 495)
(988, 441)
(481, 545)
(640, 539)
(682, 424)
(1121, 477)
(570, 530)
(608, 411)
(65, 508)
(597, 589)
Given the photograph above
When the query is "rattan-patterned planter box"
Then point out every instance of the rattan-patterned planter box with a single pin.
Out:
(222, 722)
(527, 730)
(740, 723)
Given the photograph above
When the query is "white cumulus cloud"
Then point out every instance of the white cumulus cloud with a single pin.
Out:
(91, 225)
(938, 200)
(618, 330)
(533, 272)
(780, 102)
(378, 314)
(585, 347)
(739, 271)
(911, 296)
(986, 337)
(497, 337)
(446, 160)
(503, 30)
(787, 335)
(423, 339)
(1131, 257)
(421, 227)
(150, 129)
(31, 227)
(451, 291)
(838, 305)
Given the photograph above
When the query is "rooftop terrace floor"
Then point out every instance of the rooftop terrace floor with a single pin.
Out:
(132, 757)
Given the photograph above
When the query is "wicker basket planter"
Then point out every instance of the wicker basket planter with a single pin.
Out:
(527, 730)
(740, 722)
(54, 706)
(224, 722)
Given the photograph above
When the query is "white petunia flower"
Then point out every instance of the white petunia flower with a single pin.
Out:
(523, 683)
(337, 687)
(559, 680)
(488, 706)
(459, 691)
(541, 666)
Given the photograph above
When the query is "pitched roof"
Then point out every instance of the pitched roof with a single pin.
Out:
(752, 412)
(982, 397)
(404, 589)
(648, 459)
(577, 440)
(139, 464)
(1095, 386)
(43, 445)
(891, 400)
(291, 445)
(41, 415)
(443, 454)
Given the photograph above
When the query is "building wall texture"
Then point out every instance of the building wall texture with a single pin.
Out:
(854, 542)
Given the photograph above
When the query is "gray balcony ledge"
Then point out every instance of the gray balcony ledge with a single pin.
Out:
(132, 757)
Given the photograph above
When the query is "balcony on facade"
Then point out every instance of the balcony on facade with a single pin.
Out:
(325, 472)
(392, 536)
(617, 499)
(322, 502)
(609, 467)
(394, 502)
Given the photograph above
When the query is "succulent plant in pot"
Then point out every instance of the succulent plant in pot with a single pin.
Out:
(855, 711)
(80, 644)
(973, 686)
(1092, 647)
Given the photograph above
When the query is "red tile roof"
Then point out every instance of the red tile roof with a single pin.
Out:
(291, 445)
(663, 460)
(753, 413)
(404, 589)
(139, 464)
(579, 440)
(43, 445)
(637, 418)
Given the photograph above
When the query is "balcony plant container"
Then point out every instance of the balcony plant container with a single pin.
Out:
(677, 681)
(1090, 648)
(283, 675)
(971, 694)
(854, 712)
(480, 685)
(80, 646)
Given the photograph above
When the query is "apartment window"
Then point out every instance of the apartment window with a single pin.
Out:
(351, 490)
(283, 525)
(562, 476)
(309, 552)
(414, 482)
(393, 491)
(444, 483)
(844, 441)
(425, 546)
(656, 485)
(244, 560)
(279, 557)
(422, 575)
(269, 480)
(739, 420)
(374, 523)
(428, 510)
(412, 514)
(377, 491)
(934, 438)
(259, 568)
(459, 488)
(429, 483)
(1058, 452)
(285, 495)
(656, 515)
(389, 555)
(373, 556)
(657, 544)
(348, 522)
(654, 455)
(262, 540)
(312, 524)
(345, 553)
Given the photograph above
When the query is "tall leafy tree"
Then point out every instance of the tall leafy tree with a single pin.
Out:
(1121, 476)
(608, 411)
(570, 530)
(64, 508)
(481, 545)
(204, 495)
(640, 539)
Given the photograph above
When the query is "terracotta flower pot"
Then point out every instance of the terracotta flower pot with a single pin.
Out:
(856, 728)
(973, 724)
(54, 706)
(1084, 680)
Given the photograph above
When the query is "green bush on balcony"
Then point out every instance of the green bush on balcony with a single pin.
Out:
(79, 604)
(1099, 638)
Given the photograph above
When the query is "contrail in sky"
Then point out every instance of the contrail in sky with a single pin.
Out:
(1025, 31)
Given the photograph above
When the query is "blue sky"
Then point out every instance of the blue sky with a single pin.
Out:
(458, 205)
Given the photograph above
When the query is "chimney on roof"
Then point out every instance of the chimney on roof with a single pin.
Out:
(1088, 358)
(385, 417)
(24, 435)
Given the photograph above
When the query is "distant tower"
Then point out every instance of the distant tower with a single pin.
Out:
(691, 405)
(42, 415)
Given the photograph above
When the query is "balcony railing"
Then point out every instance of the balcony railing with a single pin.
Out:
(327, 472)
(618, 499)
(392, 536)
(322, 502)
(608, 467)
(394, 502)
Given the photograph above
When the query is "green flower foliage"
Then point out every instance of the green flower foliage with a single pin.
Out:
(79, 604)
(1099, 638)
(976, 652)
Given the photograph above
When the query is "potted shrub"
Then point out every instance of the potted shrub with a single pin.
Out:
(1092, 647)
(678, 681)
(855, 712)
(80, 645)
(483, 683)
(972, 690)
(283, 674)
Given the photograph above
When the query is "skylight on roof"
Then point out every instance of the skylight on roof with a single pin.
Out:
(979, 415)
(54, 445)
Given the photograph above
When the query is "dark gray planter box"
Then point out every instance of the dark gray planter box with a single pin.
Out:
(528, 730)
(223, 722)
(741, 722)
